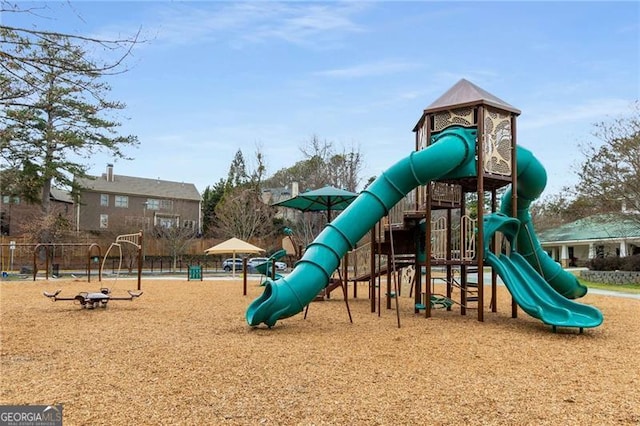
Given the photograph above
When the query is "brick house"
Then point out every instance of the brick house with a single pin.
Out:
(15, 212)
(112, 202)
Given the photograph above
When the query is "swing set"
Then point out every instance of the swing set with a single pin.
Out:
(92, 300)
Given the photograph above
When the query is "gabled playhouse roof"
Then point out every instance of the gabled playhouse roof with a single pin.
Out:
(462, 94)
(465, 92)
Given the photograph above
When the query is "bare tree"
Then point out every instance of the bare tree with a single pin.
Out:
(234, 208)
(610, 174)
(242, 214)
(176, 240)
(339, 169)
(53, 226)
(322, 165)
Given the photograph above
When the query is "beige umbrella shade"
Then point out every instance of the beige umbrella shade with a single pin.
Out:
(232, 246)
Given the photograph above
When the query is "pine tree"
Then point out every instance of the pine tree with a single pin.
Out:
(63, 115)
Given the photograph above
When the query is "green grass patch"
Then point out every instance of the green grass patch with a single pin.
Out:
(627, 288)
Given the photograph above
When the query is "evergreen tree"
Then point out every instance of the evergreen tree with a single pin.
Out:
(210, 199)
(54, 109)
(237, 171)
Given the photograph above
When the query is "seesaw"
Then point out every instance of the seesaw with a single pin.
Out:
(92, 300)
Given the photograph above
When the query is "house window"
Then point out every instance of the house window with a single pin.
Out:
(104, 221)
(8, 199)
(167, 221)
(104, 199)
(600, 251)
(153, 204)
(190, 224)
(166, 204)
(121, 201)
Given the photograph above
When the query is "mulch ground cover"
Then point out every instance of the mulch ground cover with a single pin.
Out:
(183, 354)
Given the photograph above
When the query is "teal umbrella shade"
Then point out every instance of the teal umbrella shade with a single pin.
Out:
(326, 199)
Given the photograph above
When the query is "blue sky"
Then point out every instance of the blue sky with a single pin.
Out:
(218, 76)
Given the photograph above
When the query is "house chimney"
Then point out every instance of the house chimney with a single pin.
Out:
(109, 172)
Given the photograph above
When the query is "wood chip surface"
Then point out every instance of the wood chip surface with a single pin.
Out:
(183, 354)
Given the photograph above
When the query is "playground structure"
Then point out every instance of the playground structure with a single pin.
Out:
(291, 243)
(92, 300)
(132, 240)
(100, 298)
(47, 253)
(268, 268)
(49, 250)
(465, 144)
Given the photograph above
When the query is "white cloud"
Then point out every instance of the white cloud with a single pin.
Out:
(369, 69)
(593, 110)
(240, 23)
(305, 24)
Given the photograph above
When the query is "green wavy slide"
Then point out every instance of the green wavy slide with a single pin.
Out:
(528, 288)
(451, 153)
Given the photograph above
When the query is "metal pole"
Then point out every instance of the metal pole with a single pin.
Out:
(140, 258)
(12, 248)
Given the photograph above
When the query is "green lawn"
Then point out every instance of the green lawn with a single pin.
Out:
(628, 288)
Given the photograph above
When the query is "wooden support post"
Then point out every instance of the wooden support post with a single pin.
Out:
(463, 289)
(389, 272)
(463, 268)
(379, 269)
(514, 194)
(427, 247)
(496, 250)
(372, 269)
(448, 257)
(480, 234)
(244, 276)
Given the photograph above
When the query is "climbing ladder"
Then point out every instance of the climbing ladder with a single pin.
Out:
(468, 297)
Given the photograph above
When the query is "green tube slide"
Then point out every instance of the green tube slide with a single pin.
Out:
(452, 149)
(532, 178)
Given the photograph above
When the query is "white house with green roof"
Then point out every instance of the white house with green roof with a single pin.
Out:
(573, 244)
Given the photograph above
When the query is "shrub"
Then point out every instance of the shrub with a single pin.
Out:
(631, 263)
(615, 263)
